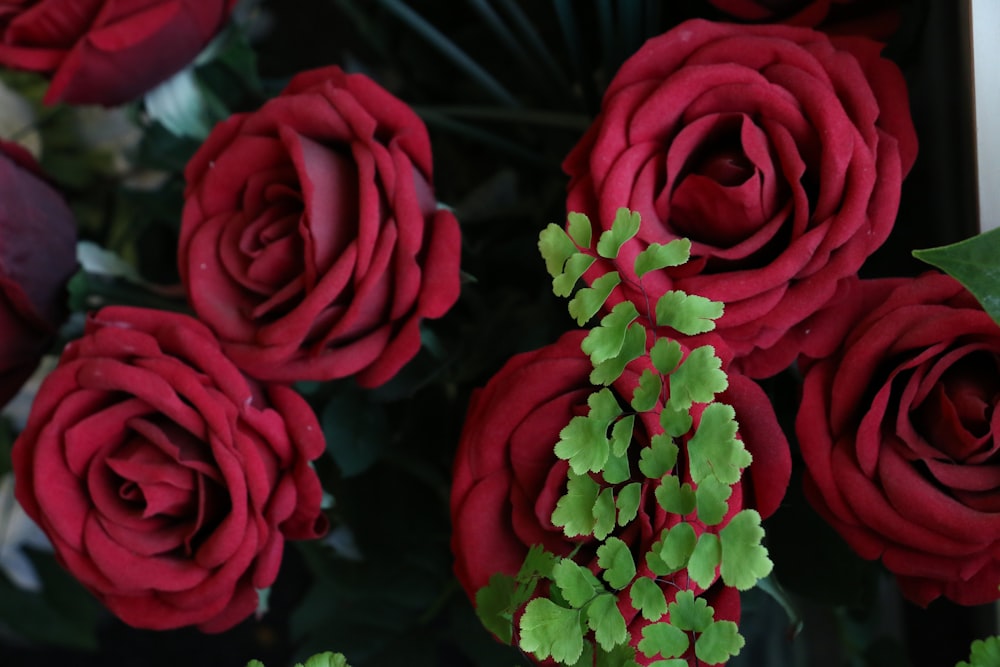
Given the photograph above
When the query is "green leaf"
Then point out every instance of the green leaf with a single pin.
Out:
(678, 545)
(624, 227)
(714, 449)
(705, 559)
(744, 558)
(589, 300)
(579, 228)
(657, 256)
(616, 469)
(584, 444)
(628, 502)
(577, 584)
(546, 629)
(574, 511)
(608, 371)
(538, 562)
(648, 598)
(710, 498)
(622, 655)
(179, 105)
(616, 559)
(326, 659)
(688, 612)
(983, 653)
(607, 622)
(689, 314)
(555, 247)
(647, 393)
(495, 606)
(675, 418)
(718, 642)
(698, 379)
(605, 341)
(974, 262)
(672, 662)
(675, 497)
(659, 457)
(665, 354)
(621, 435)
(663, 639)
(655, 563)
(604, 513)
(603, 407)
(576, 266)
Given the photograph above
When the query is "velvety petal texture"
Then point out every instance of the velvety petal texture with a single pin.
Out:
(507, 479)
(901, 437)
(311, 240)
(37, 258)
(165, 479)
(777, 150)
(106, 51)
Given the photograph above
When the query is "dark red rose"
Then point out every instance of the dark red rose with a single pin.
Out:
(311, 240)
(877, 19)
(37, 258)
(778, 152)
(166, 481)
(106, 51)
(899, 433)
(507, 478)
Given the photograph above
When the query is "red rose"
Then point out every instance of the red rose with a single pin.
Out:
(106, 51)
(167, 481)
(777, 151)
(899, 435)
(37, 257)
(311, 240)
(507, 478)
(878, 19)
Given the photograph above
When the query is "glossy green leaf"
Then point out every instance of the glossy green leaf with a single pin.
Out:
(678, 545)
(621, 435)
(584, 444)
(616, 469)
(675, 417)
(974, 262)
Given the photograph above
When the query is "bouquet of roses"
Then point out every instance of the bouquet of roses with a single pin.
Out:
(288, 368)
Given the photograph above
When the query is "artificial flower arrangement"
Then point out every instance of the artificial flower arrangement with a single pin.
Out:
(304, 390)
